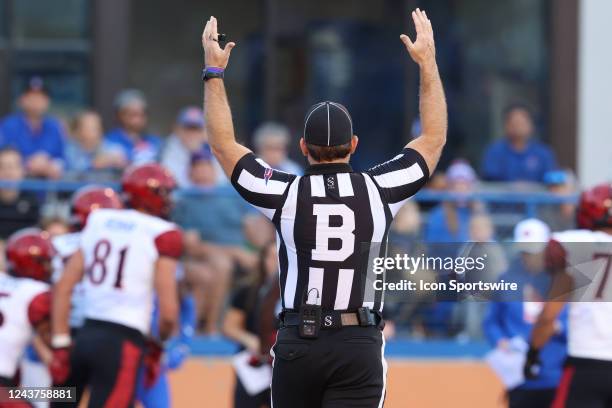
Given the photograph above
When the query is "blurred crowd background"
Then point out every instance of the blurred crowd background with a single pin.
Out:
(89, 87)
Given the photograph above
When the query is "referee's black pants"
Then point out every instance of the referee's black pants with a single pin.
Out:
(341, 368)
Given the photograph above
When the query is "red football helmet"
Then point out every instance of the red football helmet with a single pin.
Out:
(595, 207)
(29, 253)
(90, 198)
(148, 188)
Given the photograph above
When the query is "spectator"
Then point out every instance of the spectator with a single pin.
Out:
(55, 226)
(560, 217)
(87, 150)
(510, 319)
(449, 221)
(214, 240)
(517, 157)
(17, 209)
(241, 322)
(138, 146)
(37, 136)
(469, 314)
(272, 143)
(189, 137)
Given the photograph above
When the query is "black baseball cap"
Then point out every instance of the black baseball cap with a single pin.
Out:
(328, 124)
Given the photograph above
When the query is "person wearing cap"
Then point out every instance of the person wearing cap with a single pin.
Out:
(329, 349)
(38, 136)
(271, 142)
(138, 146)
(449, 221)
(510, 318)
(188, 138)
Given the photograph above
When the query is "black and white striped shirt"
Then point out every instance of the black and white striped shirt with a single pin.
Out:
(331, 223)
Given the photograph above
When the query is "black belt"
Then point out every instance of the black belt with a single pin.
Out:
(335, 319)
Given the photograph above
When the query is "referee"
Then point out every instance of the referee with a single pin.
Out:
(329, 223)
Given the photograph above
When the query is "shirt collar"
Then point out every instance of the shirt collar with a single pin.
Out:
(328, 168)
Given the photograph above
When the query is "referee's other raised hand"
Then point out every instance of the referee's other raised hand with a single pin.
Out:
(423, 49)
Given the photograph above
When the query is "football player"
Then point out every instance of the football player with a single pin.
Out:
(581, 263)
(85, 200)
(25, 298)
(125, 256)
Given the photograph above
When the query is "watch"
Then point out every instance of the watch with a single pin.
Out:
(212, 72)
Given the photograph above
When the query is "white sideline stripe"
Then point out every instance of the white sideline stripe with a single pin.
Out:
(400, 177)
(287, 230)
(343, 291)
(385, 367)
(345, 187)
(315, 281)
(317, 187)
(259, 186)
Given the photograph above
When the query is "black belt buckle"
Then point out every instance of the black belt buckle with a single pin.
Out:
(365, 317)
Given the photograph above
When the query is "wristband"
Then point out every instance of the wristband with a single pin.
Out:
(61, 340)
(212, 72)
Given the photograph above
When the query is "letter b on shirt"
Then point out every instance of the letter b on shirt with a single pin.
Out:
(325, 232)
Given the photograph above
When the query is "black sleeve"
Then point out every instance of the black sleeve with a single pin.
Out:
(401, 177)
(259, 184)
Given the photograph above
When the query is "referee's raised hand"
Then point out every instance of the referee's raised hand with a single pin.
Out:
(214, 55)
(423, 49)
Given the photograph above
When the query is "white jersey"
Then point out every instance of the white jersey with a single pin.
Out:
(66, 245)
(588, 255)
(120, 249)
(18, 312)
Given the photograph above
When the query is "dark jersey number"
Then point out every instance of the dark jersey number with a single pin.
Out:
(2, 295)
(98, 269)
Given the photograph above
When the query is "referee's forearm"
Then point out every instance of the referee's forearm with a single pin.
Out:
(218, 115)
(432, 105)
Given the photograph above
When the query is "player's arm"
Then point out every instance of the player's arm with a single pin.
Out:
(560, 290)
(217, 113)
(546, 325)
(59, 367)
(170, 248)
(167, 295)
(39, 312)
(432, 102)
(62, 294)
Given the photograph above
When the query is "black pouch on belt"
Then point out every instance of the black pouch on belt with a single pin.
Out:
(310, 321)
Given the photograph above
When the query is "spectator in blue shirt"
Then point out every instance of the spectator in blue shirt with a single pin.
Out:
(88, 153)
(138, 146)
(212, 218)
(38, 137)
(518, 156)
(509, 320)
(449, 221)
